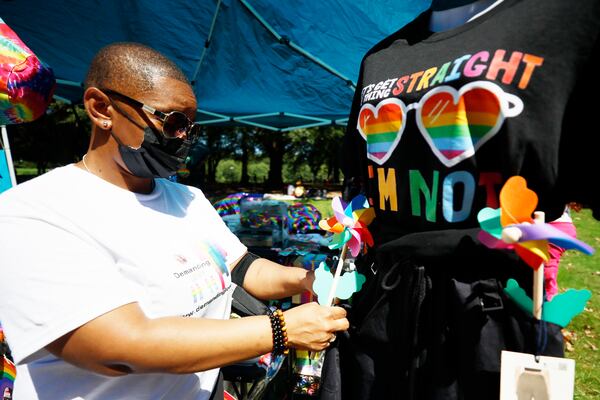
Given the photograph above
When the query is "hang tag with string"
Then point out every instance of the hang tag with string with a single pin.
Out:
(526, 376)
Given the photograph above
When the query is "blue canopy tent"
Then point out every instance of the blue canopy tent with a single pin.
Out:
(279, 65)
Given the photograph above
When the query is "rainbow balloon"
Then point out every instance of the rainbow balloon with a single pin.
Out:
(183, 172)
(26, 84)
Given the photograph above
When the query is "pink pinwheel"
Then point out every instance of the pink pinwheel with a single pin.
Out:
(349, 224)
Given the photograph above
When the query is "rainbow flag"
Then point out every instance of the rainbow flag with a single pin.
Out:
(9, 372)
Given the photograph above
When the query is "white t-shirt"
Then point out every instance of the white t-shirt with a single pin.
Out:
(73, 247)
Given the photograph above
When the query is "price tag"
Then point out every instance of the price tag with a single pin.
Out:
(522, 376)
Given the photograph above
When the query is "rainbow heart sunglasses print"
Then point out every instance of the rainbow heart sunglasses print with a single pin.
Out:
(455, 123)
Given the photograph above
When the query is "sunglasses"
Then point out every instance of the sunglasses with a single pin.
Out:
(455, 123)
(175, 124)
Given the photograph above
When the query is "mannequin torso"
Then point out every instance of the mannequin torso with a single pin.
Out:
(448, 14)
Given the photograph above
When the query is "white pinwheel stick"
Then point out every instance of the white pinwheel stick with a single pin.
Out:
(336, 277)
(538, 275)
(512, 234)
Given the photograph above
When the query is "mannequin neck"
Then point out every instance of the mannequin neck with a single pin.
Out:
(449, 14)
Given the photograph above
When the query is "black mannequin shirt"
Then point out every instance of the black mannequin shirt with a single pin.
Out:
(441, 120)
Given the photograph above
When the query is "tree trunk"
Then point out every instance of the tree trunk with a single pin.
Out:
(274, 143)
(211, 170)
(275, 179)
(212, 139)
(245, 179)
(315, 171)
(336, 161)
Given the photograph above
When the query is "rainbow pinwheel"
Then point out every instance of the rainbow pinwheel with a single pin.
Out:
(511, 226)
(349, 224)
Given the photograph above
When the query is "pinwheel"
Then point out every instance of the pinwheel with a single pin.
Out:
(349, 225)
(512, 226)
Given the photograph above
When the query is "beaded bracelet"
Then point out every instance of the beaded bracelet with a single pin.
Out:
(280, 339)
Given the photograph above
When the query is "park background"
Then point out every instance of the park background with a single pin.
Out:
(292, 75)
(225, 158)
(255, 160)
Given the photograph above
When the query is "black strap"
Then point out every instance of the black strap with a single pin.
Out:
(239, 272)
(244, 304)
(218, 391)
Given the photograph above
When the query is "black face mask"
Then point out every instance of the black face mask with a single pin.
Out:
(155, 158)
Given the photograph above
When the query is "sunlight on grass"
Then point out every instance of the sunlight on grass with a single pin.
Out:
(579, 271)
(27, 171)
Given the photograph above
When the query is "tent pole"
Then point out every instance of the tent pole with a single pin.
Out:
(9, 161)
(207, 42)
(286, 41)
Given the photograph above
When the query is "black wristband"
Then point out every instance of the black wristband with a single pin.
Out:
(239, 272)
(280, 339)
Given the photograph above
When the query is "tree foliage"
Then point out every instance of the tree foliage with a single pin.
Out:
(59, 137)
(274, 145)
(227, 154)
(317, 148)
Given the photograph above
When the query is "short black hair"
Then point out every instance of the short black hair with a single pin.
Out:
(130, 67)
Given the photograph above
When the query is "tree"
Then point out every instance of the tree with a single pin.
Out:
(258, 170)
(219, 142)
(275, 145)
(58, 137)
(245, 150)
(317, 147)
(228, 171)
(333, 137)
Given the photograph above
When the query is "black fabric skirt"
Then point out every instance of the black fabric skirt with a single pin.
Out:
(432, 320)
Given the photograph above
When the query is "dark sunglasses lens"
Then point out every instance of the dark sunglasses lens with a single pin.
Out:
(176, 125)
(194, 132)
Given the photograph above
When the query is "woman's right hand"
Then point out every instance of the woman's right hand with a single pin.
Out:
(312, 326)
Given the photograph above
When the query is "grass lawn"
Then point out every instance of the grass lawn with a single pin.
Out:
(27, 171)
(579, 271)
